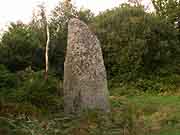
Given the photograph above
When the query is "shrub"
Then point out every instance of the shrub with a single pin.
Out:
(34, 89)
(7, 79)
(135, 43)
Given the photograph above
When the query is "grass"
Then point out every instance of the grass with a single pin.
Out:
(161, 113)
(144, 114)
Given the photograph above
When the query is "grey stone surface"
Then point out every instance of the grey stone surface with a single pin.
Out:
(85, 83)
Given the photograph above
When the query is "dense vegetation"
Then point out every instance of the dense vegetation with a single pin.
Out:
(142, 57)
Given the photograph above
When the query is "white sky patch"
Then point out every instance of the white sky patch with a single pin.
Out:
(14, 10)
(98, 5)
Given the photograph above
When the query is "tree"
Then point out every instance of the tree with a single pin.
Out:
(139, 3)
(40, 24)
(18, 47)
(47, 49)
(169, 10)
(135, 43)
(136, 2)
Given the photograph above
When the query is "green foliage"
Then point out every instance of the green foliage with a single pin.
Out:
(135, 43)
(7, 79)
(44, 94)
(86, 15)
(169, 10)
(19, 109)
(137, 115)
(141, 54)
(18, 47)
(149, 84)
(31, 89)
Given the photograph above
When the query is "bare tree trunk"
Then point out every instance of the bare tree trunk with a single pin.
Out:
(46, 52)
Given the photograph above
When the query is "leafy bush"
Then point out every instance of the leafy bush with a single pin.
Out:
(39, 92)
(151, 84)
(19, 109)
(7, 79)
(135, 43)
(29, 87)
(18, 47)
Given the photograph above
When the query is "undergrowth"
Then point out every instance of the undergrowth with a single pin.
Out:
(30, 105)
(138, 115)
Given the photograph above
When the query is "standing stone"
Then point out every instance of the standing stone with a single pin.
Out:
(85, 83)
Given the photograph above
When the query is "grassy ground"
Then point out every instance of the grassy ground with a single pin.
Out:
(161, 114)
(145, 114)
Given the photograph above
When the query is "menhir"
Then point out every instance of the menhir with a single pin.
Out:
(85, 82)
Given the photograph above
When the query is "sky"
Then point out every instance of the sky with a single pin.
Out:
(14, 10)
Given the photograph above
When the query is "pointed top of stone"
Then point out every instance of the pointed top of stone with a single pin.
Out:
(77, 22)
